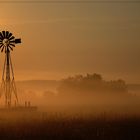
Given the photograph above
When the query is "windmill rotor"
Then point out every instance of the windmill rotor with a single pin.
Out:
(7, 41)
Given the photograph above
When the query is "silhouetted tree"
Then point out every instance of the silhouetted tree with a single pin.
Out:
(91, 83)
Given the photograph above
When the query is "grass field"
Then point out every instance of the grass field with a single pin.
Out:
(43, 126)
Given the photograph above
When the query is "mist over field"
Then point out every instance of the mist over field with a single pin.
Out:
(86, 94)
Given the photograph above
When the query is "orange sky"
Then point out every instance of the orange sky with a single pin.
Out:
(66, 39)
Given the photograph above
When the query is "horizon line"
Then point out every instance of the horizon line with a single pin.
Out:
(27, 80)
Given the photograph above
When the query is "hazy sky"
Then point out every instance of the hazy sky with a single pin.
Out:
(60, 39)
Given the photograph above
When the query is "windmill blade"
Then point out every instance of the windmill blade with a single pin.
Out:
(4, 34)
(11, 48)
(11, 38)
(12, 45)
(2, 49)
(1, 45)
(7, 34)
(10, 34)
(1, 36)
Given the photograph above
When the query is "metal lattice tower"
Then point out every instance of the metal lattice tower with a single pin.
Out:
(8, 86)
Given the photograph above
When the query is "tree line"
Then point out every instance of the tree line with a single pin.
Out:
(91, 83)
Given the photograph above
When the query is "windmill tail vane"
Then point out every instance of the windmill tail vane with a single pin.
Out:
(8, 86)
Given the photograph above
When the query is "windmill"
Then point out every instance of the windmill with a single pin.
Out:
(8, 86)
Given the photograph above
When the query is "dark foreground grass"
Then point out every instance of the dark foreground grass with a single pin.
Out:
(42, 127)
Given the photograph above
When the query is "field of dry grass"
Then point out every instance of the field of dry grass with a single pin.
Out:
(43, 126)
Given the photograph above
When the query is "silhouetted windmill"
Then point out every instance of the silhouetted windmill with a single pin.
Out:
(8, 86)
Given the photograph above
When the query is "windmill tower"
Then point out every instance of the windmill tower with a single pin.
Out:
(8, 86)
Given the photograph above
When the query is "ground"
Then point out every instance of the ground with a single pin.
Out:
(41, 126)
